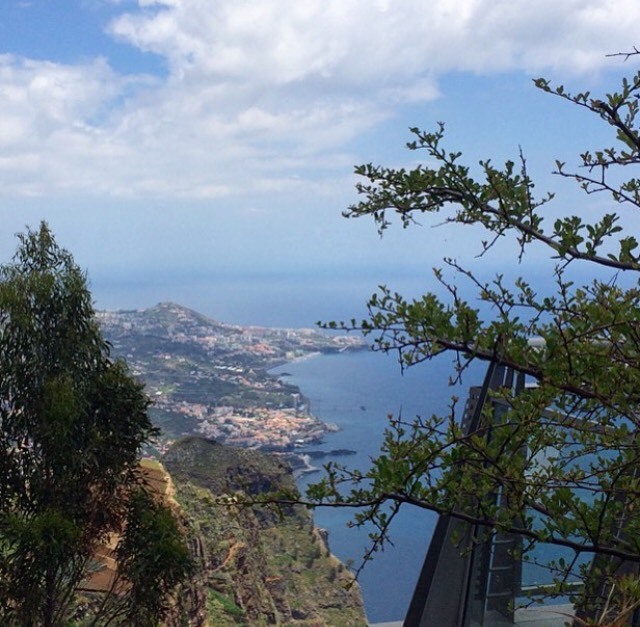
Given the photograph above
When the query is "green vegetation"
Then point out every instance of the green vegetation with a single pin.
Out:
(72, 422)
(586, 367)
(219, 605)
(256, 565)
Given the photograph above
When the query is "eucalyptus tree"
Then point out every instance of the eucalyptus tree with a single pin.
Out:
(581, 415)
(72, 423)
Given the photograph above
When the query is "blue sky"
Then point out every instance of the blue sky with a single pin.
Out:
(217, 138)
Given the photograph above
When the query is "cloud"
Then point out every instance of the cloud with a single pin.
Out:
(260, 94)
(365, 43)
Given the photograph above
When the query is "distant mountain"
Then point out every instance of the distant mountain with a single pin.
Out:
(159, 319)
(256, 566)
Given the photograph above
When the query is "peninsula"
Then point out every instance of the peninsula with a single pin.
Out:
(212, 379)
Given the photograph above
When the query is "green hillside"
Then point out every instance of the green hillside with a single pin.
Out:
(256, 566)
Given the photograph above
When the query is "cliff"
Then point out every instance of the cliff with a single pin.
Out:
(256, 566)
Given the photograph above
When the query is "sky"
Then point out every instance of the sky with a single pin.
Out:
(179, 142)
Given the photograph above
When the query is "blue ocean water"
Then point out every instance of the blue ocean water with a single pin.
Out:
(355, 390)
(358, 391)
(339, 387)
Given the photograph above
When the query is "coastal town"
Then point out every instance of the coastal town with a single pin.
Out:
(212, 379)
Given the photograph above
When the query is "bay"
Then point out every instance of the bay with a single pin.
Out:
(358, 391)
(339, 387)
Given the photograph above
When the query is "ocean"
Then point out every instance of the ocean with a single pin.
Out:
(357, 391)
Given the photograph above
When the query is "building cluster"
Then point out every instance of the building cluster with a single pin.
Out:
(211, 378)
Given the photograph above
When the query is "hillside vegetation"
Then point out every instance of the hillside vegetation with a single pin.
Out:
(256, 566)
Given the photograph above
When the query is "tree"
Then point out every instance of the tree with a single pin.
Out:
(583, 414)
(72, 422)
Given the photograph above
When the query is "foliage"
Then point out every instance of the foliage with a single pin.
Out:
(152, 559)
(218, 603)
(586, 363)
(255, 565)
(72, 422)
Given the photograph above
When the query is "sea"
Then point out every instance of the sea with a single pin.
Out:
(358, 391)
(355, 390)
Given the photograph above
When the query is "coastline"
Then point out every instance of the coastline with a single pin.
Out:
(305, 357)
(339, 385)
(199, 372)
(300, 461)
(300, 464)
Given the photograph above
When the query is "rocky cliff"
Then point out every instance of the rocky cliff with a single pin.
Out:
(256, 565)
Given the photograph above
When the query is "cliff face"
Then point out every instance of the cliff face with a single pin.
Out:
(256, 566)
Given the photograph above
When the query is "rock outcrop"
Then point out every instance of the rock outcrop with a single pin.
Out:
(256, 565)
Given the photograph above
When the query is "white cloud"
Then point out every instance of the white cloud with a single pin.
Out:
(259, 91)
(364, 43)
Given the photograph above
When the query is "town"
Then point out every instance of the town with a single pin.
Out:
(210, 378)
